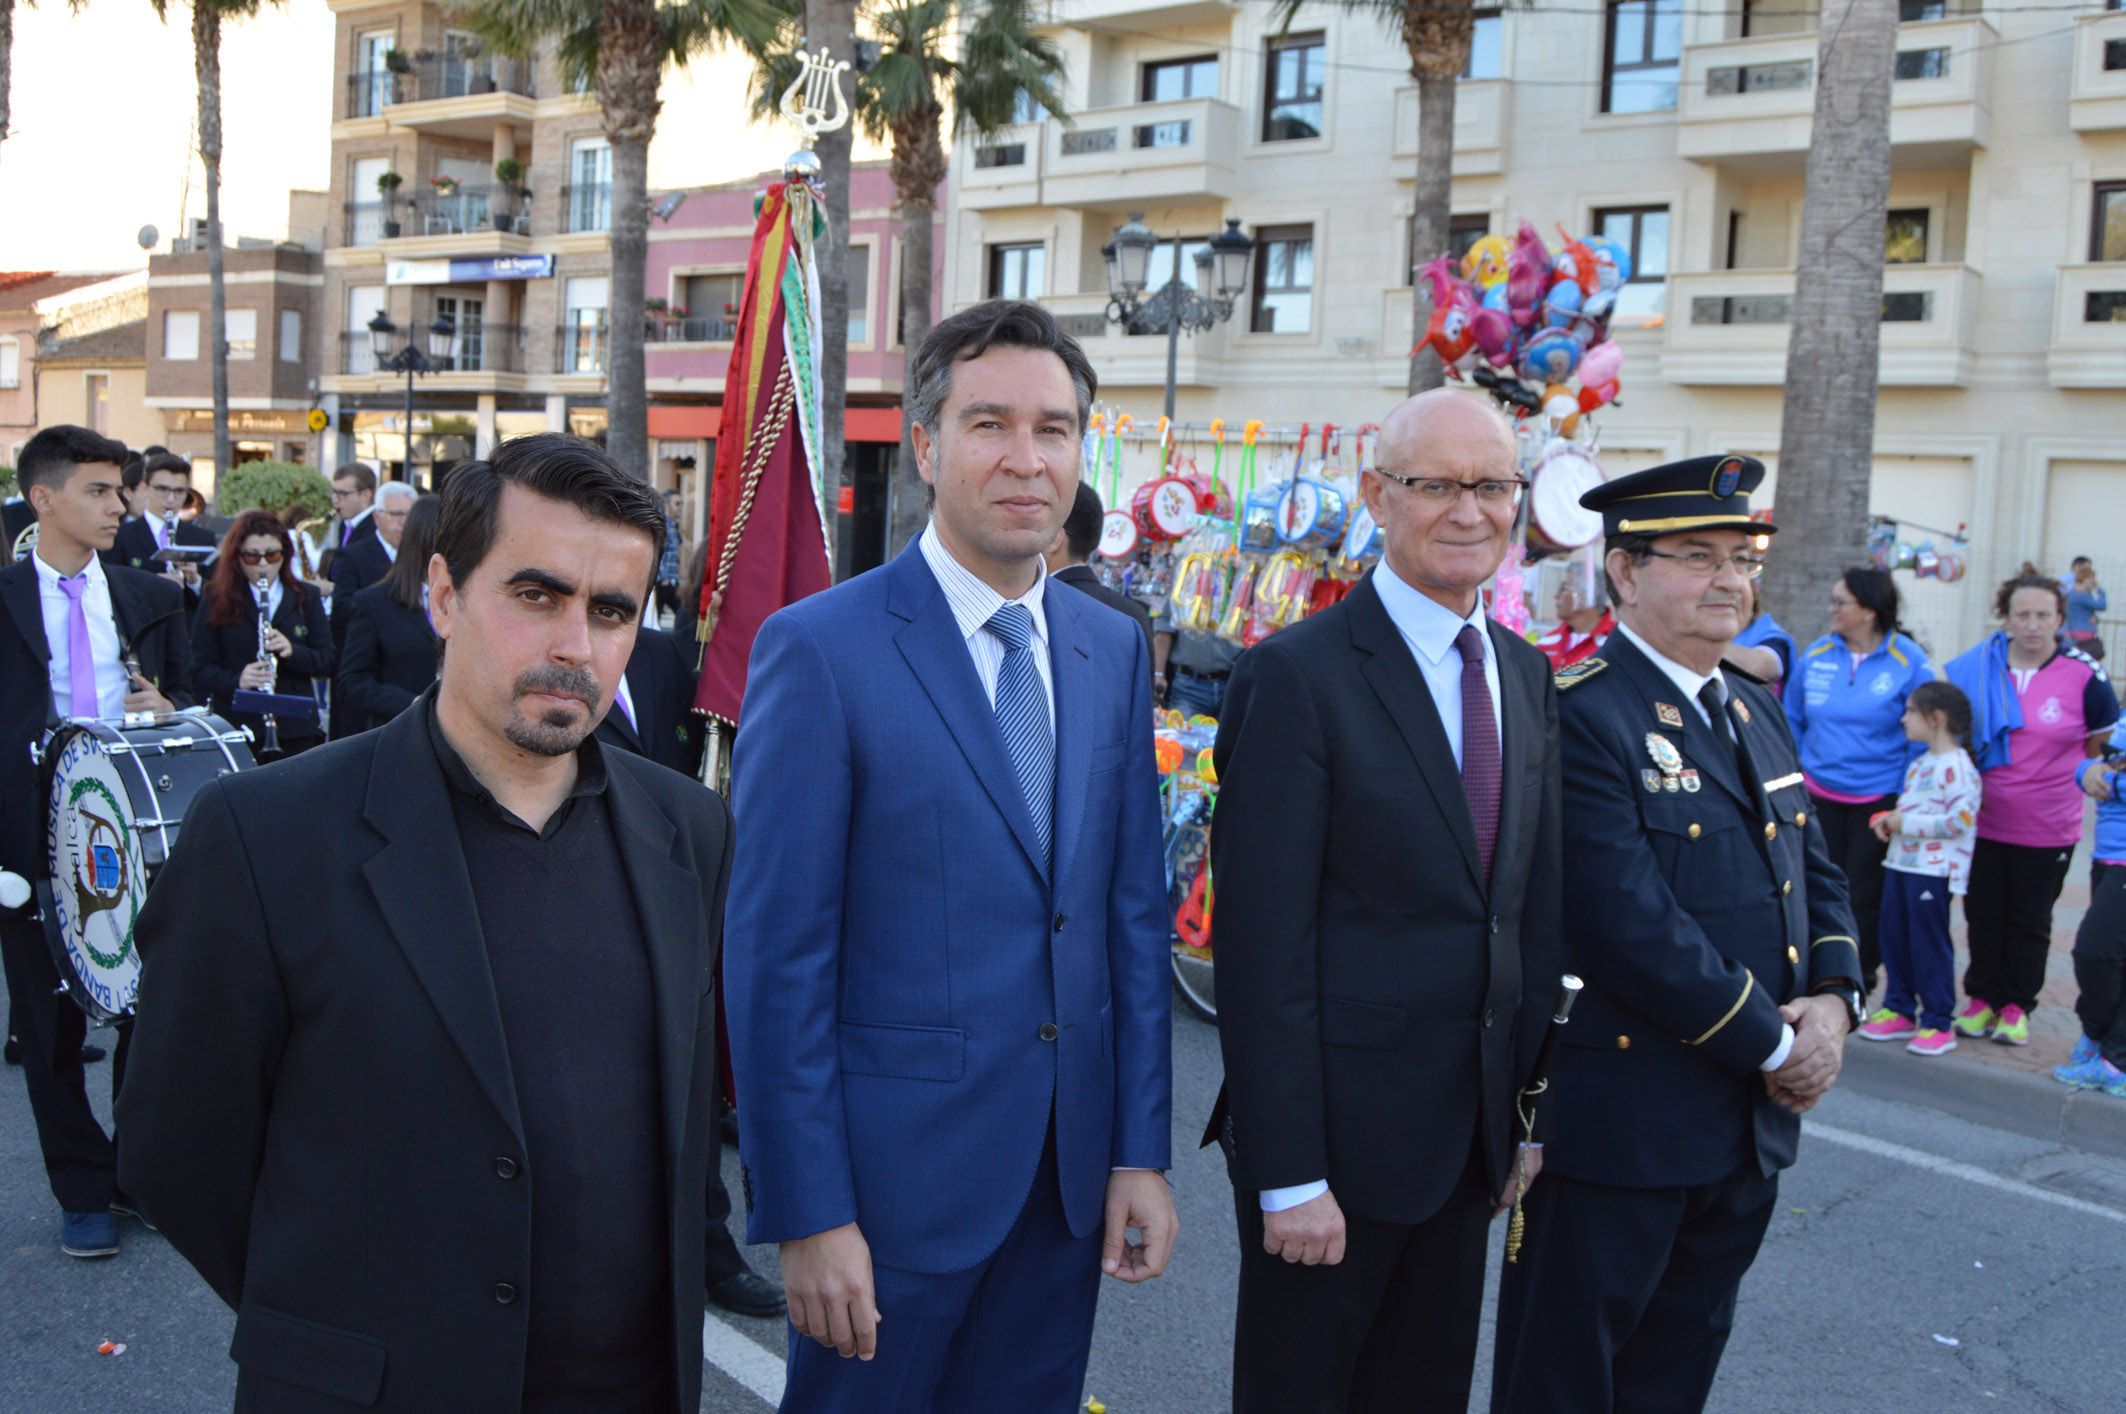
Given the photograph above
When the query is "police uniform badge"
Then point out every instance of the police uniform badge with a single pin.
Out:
(1667, 758)
(1668, 715)
(1575, 673)
(1742, 710)
(1652, 780)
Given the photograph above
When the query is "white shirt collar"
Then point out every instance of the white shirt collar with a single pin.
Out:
(1430, 626)
(973, 602)
(1688, 682)
(50, 577)
(349, 525)
(391, 551)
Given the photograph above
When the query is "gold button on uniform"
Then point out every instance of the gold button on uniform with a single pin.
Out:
(1793, 955)
(1787, 887)
(1694, 830)
(1801, 817)
(1623, 1043)
(1771, 829)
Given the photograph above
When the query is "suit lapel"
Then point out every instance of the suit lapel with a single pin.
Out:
(1714, 759)
(1521, 729)
(1395, 679)
(937, 655)
(424, 891)
(1072, 669)
(669, 903)
(18, 587)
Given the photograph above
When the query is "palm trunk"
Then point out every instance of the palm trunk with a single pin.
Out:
(206, 58)
(1827, 431)
(1437, 37)
(630, 67)
(831, 25)
(7, 61)
(918, 166)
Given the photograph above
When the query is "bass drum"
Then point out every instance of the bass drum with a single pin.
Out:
(115, 795)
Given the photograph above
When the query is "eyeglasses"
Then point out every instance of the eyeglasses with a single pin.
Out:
(175, 493)
(1704, 564)
(259, 557)
(1439, 491)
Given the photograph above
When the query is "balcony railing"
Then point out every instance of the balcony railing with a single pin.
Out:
(365, 220)
(370, 92)
(438, 76)
(1731, 326)
(587, 206)
(357, 352)
(2089, 326)
(580, 347)
(1175, 148)
(717, 330)
(484, 348)
(469, 209)
(2097, 95)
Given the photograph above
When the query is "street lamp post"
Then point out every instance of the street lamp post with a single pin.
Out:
(1221, 278)
(442, 336)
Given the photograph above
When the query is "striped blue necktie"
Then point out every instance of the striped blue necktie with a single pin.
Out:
(1022, 715)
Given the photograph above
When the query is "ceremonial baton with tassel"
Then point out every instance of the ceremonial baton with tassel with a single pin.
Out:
(1569, 988)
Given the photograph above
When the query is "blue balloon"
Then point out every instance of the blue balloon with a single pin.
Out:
(1612, 262)
(1495, 298)
(1550, 357)
(1561, 304)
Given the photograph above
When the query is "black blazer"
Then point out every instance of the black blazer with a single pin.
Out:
(1082, 577)
(388, 660)
(324, 1123)
(135, 546)
(1378, 1005)
(151, 625)
(660, 682)
(224, 651)
(361, 564)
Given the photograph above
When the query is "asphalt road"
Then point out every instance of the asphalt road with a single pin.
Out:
(1902, 1230)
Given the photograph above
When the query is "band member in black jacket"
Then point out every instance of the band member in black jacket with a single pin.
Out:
(225, 632)
(368, 555)
(138, 659)
(166, 479)
(389, 656)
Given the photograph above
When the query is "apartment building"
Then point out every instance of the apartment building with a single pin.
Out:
(1683, 132)
(31, 303)
(91, 361)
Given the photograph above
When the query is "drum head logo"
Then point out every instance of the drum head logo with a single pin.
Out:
(97, 872)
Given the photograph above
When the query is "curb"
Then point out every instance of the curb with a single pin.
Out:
(2021, 1102)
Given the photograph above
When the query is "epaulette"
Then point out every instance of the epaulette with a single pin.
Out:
(1579, 672)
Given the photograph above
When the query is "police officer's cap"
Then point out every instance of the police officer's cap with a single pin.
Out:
(1702, 493)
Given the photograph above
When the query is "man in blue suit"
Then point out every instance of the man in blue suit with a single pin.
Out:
(947, 982)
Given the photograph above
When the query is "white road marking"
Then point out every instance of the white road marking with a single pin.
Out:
(743, 1358)
(1950, 1168)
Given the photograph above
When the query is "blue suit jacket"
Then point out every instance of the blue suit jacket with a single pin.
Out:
(896, 949)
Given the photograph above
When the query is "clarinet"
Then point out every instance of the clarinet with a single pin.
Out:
(270, 742)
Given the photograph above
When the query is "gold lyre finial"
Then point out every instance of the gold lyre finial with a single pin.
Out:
(814, 103)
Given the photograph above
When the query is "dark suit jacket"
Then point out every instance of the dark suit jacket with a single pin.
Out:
(15, 517)
(1378, 1005)
(660, 682)
(135, 546)
(325, 1124)
(354, 569)
(329, 546)
(151, 624)
(1082, 577)
(224, 651)
(388, 660)
(1695, 913)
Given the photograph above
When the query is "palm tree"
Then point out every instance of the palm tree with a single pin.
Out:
(1436, 35)
(903, 96)
(1827, 429)
(207, 17)
(623, 46)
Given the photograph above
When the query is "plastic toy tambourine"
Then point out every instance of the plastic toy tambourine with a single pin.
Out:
(1118, 535)
(1362, 539)
(1164, 509)
(1310, 512)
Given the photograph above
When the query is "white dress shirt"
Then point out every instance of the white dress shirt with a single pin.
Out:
(1429, 628)
(974, 604)
(391, 551)
(1690, 683)
(112, 684)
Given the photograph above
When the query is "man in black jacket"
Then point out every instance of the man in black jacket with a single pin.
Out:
(1075, 544)
(361, 562)
(71, 476)
(165, 480)
(1387, 855)
(426, 1089)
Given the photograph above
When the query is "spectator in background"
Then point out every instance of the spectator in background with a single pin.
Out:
(2099, 1058)
(1582, 629)
(1763, 649)
(1847, 711)
(389, 656)
(2039, 710)
(2085, 600)
(1074, 545)
(225, 645)
(674, 557)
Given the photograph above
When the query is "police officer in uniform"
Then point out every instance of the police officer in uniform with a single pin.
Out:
(1716, 942)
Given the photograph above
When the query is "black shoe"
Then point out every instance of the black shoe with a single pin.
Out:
(13, 1051)
(92, 1054)
(748, 1294)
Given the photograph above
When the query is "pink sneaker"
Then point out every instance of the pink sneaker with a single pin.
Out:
(1887, 1025)
(1932, 1042)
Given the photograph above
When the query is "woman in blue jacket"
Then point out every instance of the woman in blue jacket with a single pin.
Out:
(1846, 703)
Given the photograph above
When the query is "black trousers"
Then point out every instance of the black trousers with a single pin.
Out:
(79, 1158)
(2008, 914)
(1392, 1327)
(2100, 962)
(1623, 1298)
(1855, 850)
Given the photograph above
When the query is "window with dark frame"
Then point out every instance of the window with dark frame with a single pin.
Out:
(1922, 64)
(1170, 79)
(1910, 12)
(1462, 233)
(1905, 236)
(1734, 237)
(1643, 232)
(1642, 55)
(1292, 103)
(2114, 55)
(1487, 53)
(1284, 280)
(1018, 271)
(2107, 222)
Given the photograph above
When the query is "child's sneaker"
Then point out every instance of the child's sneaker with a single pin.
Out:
(1932, 1041)
(1976, 1019)
(2096, 1074)
(2013, 1028)
(1887, 1025)
(2084, 1052)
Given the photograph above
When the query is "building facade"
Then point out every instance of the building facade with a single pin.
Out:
(1682, 132)
(33, 303)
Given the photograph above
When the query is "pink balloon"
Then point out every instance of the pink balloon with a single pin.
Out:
(1602, 364)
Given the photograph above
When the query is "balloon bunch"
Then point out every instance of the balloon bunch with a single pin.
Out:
(1524, 321)
(1887, 551)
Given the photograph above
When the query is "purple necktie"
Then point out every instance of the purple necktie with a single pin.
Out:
(80, 658)
(1480, 746)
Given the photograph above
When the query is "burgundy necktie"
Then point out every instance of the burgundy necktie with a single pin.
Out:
(1480, 746)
